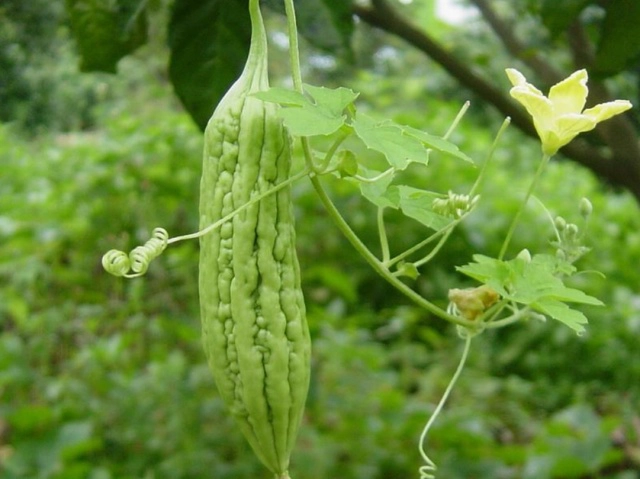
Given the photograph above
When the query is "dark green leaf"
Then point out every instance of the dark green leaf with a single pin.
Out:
(209, 42)
(106, 31)
(557, 16)
(326, 24)
(619, 45)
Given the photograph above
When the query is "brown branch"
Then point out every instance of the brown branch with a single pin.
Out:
(515, 47)
(619, 171)
(387, 19)
(618, 132)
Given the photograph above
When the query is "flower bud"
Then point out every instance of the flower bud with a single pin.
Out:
(586, 208)
(571, 232)
(524, 255)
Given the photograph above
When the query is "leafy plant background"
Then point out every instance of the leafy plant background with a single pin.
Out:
(102, 378)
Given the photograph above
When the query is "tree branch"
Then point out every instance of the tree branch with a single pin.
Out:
(621, 171)
(387, 19)
(618, 132)
(546, 71)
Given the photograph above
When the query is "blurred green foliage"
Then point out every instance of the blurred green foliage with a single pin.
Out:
(105, 378)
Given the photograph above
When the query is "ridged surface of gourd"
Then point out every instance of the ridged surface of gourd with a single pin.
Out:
(253, 316)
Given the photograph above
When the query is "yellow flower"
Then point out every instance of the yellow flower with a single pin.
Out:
(559, 118)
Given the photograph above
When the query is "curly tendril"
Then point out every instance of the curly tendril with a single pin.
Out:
(454, 205)
(118, 263)
(427, 471)
(136, 263)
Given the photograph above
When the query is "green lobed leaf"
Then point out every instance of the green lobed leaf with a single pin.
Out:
(209, 43)
(389, 139)
(561, 312)
(533, 283)
(320, 111)
(106, 31)
(418, 204)
(333, 100)
(282, 96)
(489, 271)
(436, 143)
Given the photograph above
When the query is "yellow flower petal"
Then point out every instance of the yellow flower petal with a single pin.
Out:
(517, 79)
(551, 143)
(538, 106)
(604, 111)
(570, 95)
(559, 118)
(570, 126)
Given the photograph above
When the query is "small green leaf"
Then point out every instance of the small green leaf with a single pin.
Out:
(347, 163)
(389, 139)
(408, 269)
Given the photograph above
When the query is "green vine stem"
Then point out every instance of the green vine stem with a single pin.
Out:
(492, 150)
(532, 187)
(457, 119)
(445, 232)
(330, 207)
(136, 263)
(344, 134)
(224, 219)
(378, 267)
(382, 232)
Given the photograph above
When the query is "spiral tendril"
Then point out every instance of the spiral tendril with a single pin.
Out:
(454, 205)
(118, 263)
(427, 471)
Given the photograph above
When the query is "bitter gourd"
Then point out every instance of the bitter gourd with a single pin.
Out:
(255, 334)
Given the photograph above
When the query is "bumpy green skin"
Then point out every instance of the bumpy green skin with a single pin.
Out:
(255, 333)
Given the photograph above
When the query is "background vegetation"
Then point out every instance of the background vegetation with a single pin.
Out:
(102, 378)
